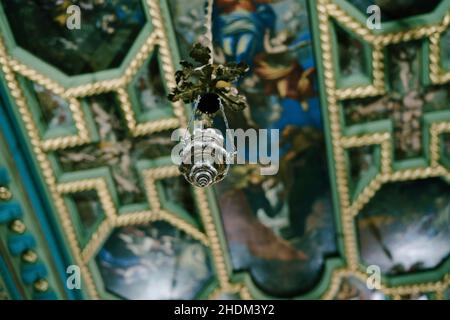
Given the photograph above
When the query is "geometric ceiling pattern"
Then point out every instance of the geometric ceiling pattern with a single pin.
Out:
(45, 141)
(98, 131)
(367, 87)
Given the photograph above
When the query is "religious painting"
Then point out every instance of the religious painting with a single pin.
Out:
(361, 182)
(405, 228)
(278, 228)
(116, 149)
(109, 28)
(156, 261)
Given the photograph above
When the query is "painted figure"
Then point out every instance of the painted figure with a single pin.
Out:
(239, 26)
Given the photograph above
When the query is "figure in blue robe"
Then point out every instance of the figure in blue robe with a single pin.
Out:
(239, 27)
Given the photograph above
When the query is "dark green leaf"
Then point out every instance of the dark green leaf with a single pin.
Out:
(200, 53)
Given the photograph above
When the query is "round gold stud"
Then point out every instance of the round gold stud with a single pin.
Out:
(5, 194)
(29, 256)
(17, 226)
(41, 285)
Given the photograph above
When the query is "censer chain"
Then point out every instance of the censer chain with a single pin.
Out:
(208, 27)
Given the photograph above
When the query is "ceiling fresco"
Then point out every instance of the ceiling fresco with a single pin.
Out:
(363, 179)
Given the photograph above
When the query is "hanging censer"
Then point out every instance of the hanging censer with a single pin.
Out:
(208, 86)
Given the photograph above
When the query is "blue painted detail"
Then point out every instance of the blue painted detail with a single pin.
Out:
(118, 262)
(241, 33)
(48, 295)
(4, 177)
(19, 243)
(32, 184)
(9, 212)
(8, 280)
(33, 272)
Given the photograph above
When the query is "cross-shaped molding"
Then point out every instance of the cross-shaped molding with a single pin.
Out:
(341, 140)
(156, 39)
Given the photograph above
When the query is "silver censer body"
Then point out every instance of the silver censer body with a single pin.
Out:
(204, 160)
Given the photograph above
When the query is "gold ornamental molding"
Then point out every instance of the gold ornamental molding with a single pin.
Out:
(12, 68)
(340, 141)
